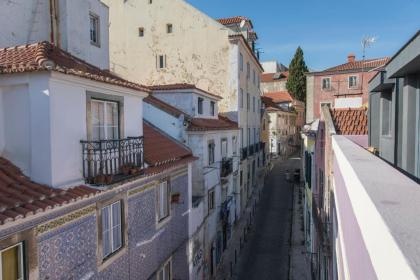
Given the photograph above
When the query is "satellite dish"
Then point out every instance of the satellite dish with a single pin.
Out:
(243, 22)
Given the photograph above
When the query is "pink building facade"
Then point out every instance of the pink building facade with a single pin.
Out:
(342, 86)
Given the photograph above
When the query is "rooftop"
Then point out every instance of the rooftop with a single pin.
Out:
(273, 77)
(44, 56)
(350, 121)
(356, 65)
(161, 149)
(182, 86)
(234, 20)
(21, 198)
(279, 96)
(222, 123)
(164, 106)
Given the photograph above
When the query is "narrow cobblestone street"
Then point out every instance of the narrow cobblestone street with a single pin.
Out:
(266, 253)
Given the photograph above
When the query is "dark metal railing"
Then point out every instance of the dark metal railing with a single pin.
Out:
(107, 161)
(244, 153)
(226, 167)
(251, 150)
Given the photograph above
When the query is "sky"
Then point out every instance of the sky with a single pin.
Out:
(326, 30)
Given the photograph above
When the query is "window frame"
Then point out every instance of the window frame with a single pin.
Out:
(105, 125)
(211, 152)
(97, 23)
(141, 31)
(211, 199)
(162, 218)
(329, 84)
(163, 270)
(356, 83)
(21, 259)
(113, 251)
(212, 108)
(224, 141)
(169, 28)
(200, 106)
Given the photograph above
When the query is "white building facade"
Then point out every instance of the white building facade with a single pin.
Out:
(170, 41)
(191, 116)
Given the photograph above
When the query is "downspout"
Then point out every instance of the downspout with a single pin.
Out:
(54, 23)
(397, 86)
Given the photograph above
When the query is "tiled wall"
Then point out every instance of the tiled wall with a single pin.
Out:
(69, 252)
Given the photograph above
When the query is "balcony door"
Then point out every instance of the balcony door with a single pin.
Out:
(104, 120)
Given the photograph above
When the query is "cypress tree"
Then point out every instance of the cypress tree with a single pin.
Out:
(296, 83)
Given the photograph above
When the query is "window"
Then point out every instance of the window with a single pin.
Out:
(253, 104)
(242, 137)
(161, 61)
(248, 105)
(241, 98)
(234, 145)
(200, 105)
(352, 81)
(150, 1)
(248, 70)
(165, 273)
(211, 152)
(326, 83)
(169, 28)
(211, 199)
(253, 77)
(255, 135)
(386, 113)
(104, 117)
(249, 136)
(141, 32)
(224, 147)
(111, 229)
(12, 263)
(241, 62)
(241, 178)
(212, 108)
(94, 29)
(163, 193)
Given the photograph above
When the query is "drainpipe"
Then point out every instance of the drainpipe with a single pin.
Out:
(54, 23)
(397, 88)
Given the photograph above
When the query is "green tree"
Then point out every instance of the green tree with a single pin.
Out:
(296, 83)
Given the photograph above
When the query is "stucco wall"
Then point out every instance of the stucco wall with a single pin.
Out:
(134, 57)
(15, 127)
(28, 21)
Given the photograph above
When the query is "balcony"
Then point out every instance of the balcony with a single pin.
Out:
(251, 150)
(109, 161)
(376, 213)
(244, 153)
(226, 167)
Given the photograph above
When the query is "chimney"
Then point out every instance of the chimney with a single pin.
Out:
(351, 57)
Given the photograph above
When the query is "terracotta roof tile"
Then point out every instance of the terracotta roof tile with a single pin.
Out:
(272, 77)
(181, 86)
(164, 106)
(20, 198)
(44, 56)
(351, 121)
(368, 64)
(222, 123)
(160, 149)
(234, 20)
(279, 96)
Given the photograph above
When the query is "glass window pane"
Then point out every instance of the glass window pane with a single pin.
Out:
(10, 262)
(116, 214)
(106, 245)
(117, 238)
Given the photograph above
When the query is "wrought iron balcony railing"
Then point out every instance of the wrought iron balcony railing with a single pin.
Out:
(226, 167)
(244, 153)
(109, 161)
(251, 150)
